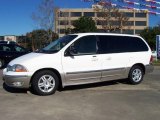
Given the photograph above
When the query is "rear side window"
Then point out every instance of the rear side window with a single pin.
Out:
(136, 44)
(120, 44)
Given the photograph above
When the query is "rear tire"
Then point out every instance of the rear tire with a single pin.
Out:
(136, 75)
(45, 83)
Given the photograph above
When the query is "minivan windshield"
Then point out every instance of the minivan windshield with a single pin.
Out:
(58, 44)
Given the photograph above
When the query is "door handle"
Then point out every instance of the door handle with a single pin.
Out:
(94, 58)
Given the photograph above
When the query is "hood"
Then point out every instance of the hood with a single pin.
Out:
(32, 58)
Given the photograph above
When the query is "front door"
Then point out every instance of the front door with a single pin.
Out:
(84, 65)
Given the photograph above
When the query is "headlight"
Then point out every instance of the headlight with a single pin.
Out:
(16, 68)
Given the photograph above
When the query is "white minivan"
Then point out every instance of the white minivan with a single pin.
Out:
(80, 59)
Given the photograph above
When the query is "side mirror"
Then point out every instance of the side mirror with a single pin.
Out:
(71, 51)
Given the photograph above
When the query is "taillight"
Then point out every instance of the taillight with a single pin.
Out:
(151, 59)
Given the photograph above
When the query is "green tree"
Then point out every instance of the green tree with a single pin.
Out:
(149, 34)
(84, 24)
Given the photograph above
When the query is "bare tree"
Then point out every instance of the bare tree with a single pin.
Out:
(44, 17)
(110, 17)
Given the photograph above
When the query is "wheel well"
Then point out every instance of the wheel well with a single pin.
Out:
(51, 69)
(141, 65)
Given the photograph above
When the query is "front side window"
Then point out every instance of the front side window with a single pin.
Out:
(19, 49)
(85, 45)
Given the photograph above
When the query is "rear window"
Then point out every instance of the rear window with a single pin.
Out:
(120, 44)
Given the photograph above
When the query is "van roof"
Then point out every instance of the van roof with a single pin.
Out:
(115, 34)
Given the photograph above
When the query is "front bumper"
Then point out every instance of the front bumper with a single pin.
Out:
(149, 68)
(20, 81)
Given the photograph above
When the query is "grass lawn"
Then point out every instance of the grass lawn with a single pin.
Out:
(156, 63)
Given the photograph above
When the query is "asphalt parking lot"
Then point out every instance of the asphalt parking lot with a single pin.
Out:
(113, 100)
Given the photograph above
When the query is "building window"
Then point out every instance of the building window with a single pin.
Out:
(116, 31)
(101, 30)
(64, 22)
(128, 31)
(129, 23)
(138, 31)
(129, 14)
(76, 14)
(115, 23)
(106, 31)
(72, 22)
(140, 15)
(99, 22)
(100, 14)
(140, 23)
(89, 14)
(62, 31)
(103, 14)
(64, 14)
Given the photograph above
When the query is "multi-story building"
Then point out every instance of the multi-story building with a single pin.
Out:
(64, 19)
(9, 38)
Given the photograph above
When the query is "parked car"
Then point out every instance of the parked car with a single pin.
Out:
(81, 59)
(9, 51)
(7, 42)
(154, 54)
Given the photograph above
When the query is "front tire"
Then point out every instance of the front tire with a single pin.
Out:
(136, 75)
(45, 82)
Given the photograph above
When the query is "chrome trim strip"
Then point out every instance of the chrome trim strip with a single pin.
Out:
(79, 72)
(110, 75)
(85, 78)
(113, 69)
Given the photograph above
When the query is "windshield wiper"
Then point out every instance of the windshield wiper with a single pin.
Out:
(46, 51)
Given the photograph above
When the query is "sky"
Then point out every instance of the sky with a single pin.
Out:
(15, 15)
